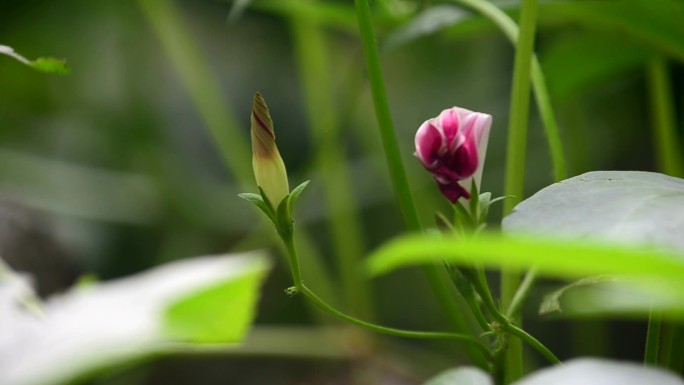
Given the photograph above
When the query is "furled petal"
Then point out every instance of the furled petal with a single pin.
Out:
(452, 147)
(429, 144)
(453, 191)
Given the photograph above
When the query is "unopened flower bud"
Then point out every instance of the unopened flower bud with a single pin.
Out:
(452, 147)
(269, 169)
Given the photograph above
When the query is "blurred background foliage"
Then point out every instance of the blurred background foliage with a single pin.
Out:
(136, 157)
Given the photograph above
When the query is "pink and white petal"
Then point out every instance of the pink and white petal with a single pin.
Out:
(429, 144)
(481, 128)
(453, 191)
(450, 121)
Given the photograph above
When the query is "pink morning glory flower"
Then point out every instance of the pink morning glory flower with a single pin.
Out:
(452, 147)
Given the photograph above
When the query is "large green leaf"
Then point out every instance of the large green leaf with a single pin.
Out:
(200, 300)
(551, 256)
(622, 206)
(655, 276)
(600, 372)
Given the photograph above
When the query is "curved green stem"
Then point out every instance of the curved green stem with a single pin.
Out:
(521, 293)
(288, 239)
(504, 321)
(515, 162)
(548, 117)
(382, 113)
(392, 331)
(653, 338)
(533, 342)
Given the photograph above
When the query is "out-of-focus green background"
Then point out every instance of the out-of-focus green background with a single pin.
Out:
(136, 157)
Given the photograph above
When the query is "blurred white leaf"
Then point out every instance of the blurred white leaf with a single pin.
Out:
(461, 376)
(109, 323)
(600, 372)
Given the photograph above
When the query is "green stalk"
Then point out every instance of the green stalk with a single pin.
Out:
(515, 163)
(667, 145)
(345, 225)
(521, 293)
(437, 276)
(671, 162)
(195, 75)
(510, 29)
(384, 118)
(503, 321)
(653, 338)
(300, 287)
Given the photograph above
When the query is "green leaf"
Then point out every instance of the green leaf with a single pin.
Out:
(598, 371)
(220, 313)
(631, 207)
(461, 376)
(660, 272)
(203, 299)
(551, 301)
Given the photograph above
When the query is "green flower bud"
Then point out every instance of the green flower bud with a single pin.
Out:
(269, 169)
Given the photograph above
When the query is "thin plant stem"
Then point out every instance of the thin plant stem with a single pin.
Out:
(541, 92)
(667, 145)
(515, 162)
(533, 342)
(521, 293)
(676, 356)
(384, 119)
(671, 162)
(504, 322)
(195, 75)
(465, 338)
(436, 276)
(653, 338)
(288, 239)
(345, 225)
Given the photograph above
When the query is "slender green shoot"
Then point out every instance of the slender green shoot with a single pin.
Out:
(300, 287)
(653, 333)
(437, 277)
(667, 144)
(670, 161)
(344, 223)
(510, 29)
(515, 161)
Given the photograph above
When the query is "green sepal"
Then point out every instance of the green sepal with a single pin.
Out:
(265, 199)
(294, 195)
(474, 203)
(259, 202)
(443, 223)
(463, 221)
(485, 201)
(285, 209)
